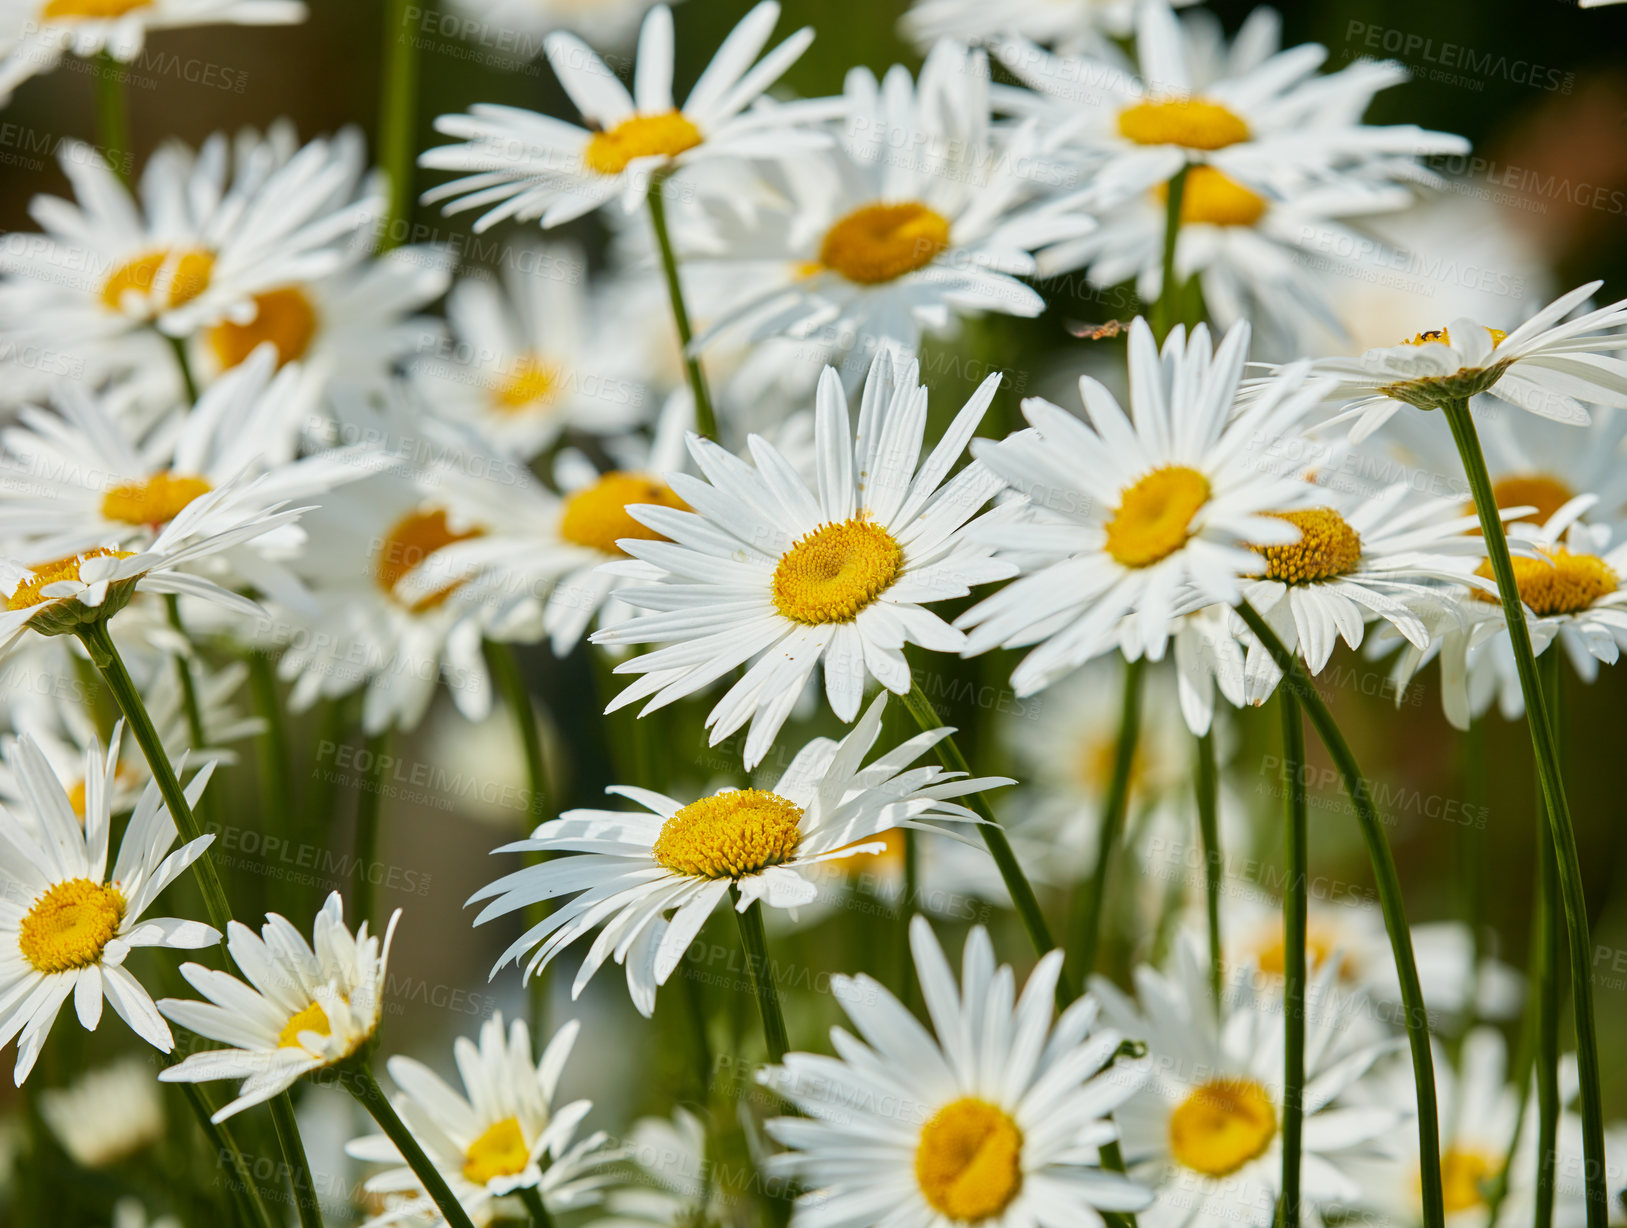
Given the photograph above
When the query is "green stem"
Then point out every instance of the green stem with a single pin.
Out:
(1549, 956)
(105, 656)
(695, 1009)
(1294, 910)
(246, 1190)
(398, 107)
(1163, 311)
(1017, 884)
(1110, 833)
(112, 116)
(365, 1088)
(906, 910)
(531, 1196)
(1525, 1051)
(755, 944)
(1388, 883)
(1208, 790)
(187, 381)
(197, 736)
(1562, 832)
(299, 1171)
(705, 419)
(368, 804)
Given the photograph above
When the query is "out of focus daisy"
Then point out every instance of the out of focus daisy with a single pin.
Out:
(535, 544)
(34, 34)
(305, 1005)
(1547, 366)
(996, 1116)
(535, 358)
(503, 1133)
(922, 213)
(1388, 556)
(1251, 251)
(749, 844)
(67, 925)
(106, 1115)
(205, 232)
(1205, 1130)
(1272, 123)
(676, 1185)
(603, 23)
(519, 164)
(1131, 511)
(1069, 25)
(764, 570)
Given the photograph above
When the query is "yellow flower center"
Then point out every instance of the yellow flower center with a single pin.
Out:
(969, 1160)
(730, 835)
(596, 516)
(834, 572)
(1319, 948)
(1154, 517)
(29, 591)
(1192, 122)
(879, 243)
(155, 501)
(1464, 1175)
(1212, 199)
(1327, 547)
(284, 317)
(1444, 336)
(410, 541)
(90, 10)
(1097, 758)
(640, 136)
(1559, 582)
(531, 382)
(1222, 1126)
(70, 924)
(499, 1152)
(312, 1019)
(1539, 490)
(165, 278)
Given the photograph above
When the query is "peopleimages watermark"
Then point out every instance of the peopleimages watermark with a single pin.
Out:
(1439, 59)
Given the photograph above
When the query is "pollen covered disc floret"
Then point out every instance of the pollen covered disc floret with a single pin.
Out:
(596, 516)
(834, 572)
(730, 835)
(90, 10)
(411, 540)
(1559, 582)
(30, 591)
(1327, 547)
(640, 136)
(163, 279)
(70, 924)
(969, 1160)
(153, 501)
(1211, 198)
(1221, 1126)
(285, 317)
(532, 380)
(1154, 517)
(500, 1151)
(1542, 491)
(879, 242)
(1465, 1174)
(1195, 123)
(309, 1019)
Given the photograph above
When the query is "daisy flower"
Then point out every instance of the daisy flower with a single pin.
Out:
(66, 924)
(106, 1115)
(502, 1134)
(1571, 582)
(534, 358)
(1071, 25)
(519, 164)
(204, 233)
(57, 596)
(1253, 252)
(1204, 1129)
(677, 1186)
(751, 844)
(305, 1006)
(920, 215)
(534, 542)
(1261, 121)
(1130, 510)
(34, 34)
(996, 1116)
(87, 475)
(1388, 556)
(1547, 366)
(765, 570)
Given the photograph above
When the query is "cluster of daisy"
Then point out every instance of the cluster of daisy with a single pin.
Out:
(242, 448)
